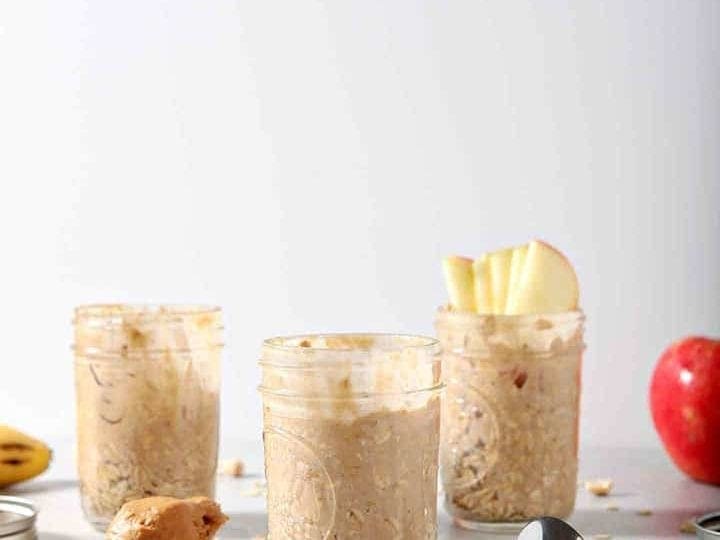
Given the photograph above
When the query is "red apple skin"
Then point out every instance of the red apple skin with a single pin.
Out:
(685, 405)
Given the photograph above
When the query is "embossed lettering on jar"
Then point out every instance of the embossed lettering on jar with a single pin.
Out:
(510, 418)
(351, 433)
(147, 384)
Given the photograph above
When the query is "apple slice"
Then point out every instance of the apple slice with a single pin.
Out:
(459, 282)
(483, 293)
(499, 264)
(516, 265)
(547, 283)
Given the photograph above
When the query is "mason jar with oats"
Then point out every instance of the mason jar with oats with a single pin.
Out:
(147, 384)
(351, 433)
(512, 369)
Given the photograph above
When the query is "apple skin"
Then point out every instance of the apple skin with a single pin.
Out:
(685, 405)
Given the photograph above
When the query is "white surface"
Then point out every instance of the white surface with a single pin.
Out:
(306, 164)
(644, 480)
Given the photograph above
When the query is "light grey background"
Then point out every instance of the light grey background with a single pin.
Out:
(307, 164)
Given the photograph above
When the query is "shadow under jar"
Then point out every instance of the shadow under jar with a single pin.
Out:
(351, 434)
(147, 384)
(509, 449)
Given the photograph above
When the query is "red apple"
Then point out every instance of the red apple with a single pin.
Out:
(685, 405)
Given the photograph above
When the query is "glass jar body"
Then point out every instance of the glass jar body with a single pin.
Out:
(510, 419)
(147, 386)
(351, 437)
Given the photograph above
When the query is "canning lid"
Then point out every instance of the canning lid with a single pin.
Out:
(708, 526)
(17, 518)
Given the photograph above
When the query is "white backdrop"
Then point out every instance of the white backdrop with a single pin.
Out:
(306, 165)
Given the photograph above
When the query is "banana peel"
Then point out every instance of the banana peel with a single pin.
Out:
(21, 456)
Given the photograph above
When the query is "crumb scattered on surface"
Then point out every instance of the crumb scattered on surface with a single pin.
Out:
(599, 486)
(644, 512)
(259, 489)
(687, 527)
(232, 467)
(613, 508)
(602, 537)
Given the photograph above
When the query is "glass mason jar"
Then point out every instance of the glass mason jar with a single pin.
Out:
(510, 418)
(147, 384)
(351, 433)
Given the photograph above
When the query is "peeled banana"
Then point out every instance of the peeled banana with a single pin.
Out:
(21, 457)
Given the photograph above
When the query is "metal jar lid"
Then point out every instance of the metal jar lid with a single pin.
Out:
(17, 519)
(708, 526)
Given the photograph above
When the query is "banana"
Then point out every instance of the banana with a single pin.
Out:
(21, 457)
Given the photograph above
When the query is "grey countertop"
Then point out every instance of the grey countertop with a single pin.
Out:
(644, 480)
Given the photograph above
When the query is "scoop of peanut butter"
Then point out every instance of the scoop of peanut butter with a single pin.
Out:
(166, 518)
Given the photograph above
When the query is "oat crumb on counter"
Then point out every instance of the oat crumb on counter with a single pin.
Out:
(599, 486)
(687, 527)
(644, 512)
(259, 489)
(613, 508)
(232, 467)
(602, 537)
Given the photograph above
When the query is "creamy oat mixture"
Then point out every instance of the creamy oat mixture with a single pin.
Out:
(147, 408)
(375, 477)
(510, 418)
(353, 453)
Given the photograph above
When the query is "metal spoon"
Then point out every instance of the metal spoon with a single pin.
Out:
(548, 528)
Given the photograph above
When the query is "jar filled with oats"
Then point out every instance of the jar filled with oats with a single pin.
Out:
(147, 385)
(351, 433)
(510, 419)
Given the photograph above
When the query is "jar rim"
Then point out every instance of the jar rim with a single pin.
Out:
(436, 388)
(141, 310)
(367, 342)
(572, 315)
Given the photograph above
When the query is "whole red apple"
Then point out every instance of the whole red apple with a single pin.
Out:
(685, 405)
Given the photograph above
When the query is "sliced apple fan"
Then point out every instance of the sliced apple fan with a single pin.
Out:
(534, 278)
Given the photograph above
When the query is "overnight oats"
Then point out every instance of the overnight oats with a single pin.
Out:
(512, 367)
(147, 385)
(351, 433)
